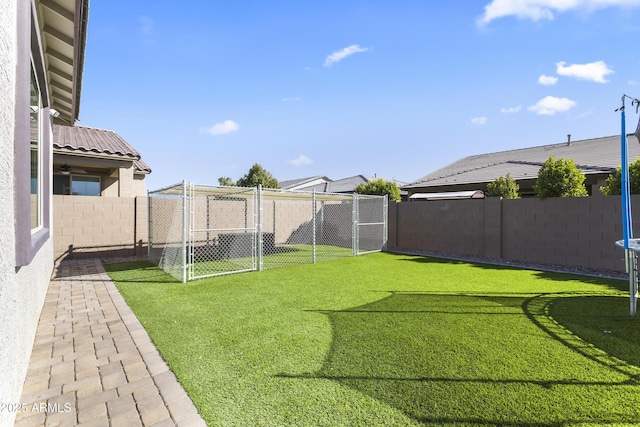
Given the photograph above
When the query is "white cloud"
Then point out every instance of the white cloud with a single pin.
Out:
(301, 160)
(223, 128)
(594, 71)
(550, 105)
(341, 54)
(511, 110)
(146, 25)
(547, 80)
(537, 10)
(479, 120)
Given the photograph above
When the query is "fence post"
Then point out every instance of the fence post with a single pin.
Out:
(354, 232)
(149, 229)
(313, 237)
(184, 231)
(385, 220)
(260, 242)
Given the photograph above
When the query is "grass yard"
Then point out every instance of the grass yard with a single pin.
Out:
(283, 255)
(395, 340)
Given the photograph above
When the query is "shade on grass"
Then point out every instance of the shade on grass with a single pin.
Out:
(395, 340)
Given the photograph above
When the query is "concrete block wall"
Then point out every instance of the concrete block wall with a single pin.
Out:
(563, 231)
(85, 226)
(447, 226)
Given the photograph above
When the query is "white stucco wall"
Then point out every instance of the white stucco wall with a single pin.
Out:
(22, 290)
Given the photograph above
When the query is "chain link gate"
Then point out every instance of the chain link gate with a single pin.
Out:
(370, 224)
(222, 230)
(198, 231)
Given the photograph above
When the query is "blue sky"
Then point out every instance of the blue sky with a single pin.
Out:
(397, 89)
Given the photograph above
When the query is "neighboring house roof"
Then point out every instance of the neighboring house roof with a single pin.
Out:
(94, 141)
(345, 185)
(64, 34)
(592, 156)
(302, 182)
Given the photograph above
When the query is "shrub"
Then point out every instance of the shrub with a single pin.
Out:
(614, 181)
(258, 175)
(379, 187)
(505, 187)
(225, 181)
(560, 178)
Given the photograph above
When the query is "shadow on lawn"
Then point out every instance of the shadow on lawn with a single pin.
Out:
(138, 272)
(481, 359)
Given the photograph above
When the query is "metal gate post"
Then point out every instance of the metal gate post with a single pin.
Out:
(385, 219)
(184, 231)
(354, 233)
(260, 242)
(149, 229)
(313, 237)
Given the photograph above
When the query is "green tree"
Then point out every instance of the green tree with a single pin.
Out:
(614, 181)
(226, 181)
(560, 178)
(379, 187)
(505, 187)
(258, 175)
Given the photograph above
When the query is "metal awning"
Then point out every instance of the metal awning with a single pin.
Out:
(449, 195)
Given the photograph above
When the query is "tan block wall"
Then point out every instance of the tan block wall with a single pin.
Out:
(86, 226)
(564, 231)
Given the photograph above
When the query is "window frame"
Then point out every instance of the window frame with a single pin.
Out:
(38, 210)
(28, 241)
(71, 176)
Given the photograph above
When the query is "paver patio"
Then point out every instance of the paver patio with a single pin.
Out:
(93, 363)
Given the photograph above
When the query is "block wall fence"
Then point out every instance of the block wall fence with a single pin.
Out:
(85, 226)
(563, 231)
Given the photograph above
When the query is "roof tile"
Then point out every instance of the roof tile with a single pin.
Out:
(99, 141)
(590, 155)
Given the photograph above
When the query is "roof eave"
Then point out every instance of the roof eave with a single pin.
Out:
(67, 29)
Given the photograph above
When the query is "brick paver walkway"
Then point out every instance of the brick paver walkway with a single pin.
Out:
(93, 363)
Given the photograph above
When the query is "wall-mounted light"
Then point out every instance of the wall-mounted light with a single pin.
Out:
(65, 170)
(53, 112)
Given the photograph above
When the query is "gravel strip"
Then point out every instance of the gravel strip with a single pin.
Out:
(584, 271)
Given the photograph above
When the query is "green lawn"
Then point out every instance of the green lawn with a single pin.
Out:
(285, 255)
(395, 340)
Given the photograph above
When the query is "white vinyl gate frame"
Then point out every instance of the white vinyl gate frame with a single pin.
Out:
(198, 231)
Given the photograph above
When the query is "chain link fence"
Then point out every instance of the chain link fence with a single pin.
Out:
(201, 231)
(166, 231)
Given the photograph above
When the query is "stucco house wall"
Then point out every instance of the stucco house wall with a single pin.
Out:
(22, 287)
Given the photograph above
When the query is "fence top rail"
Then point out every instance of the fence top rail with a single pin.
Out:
(249, 192)
(274, 193)
(171, 189)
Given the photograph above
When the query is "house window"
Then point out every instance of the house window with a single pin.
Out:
(77, 185)
(35, 126)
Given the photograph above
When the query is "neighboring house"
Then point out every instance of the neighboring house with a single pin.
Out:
(346, 185)
(96, 162)
(42, 44)
(596, 158)
(298, 184)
